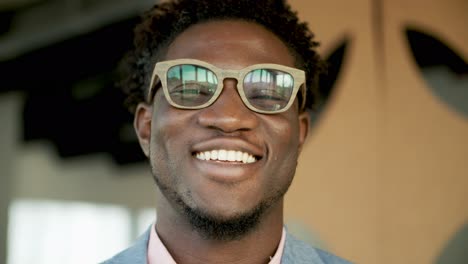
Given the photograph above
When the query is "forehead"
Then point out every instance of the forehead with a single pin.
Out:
(232, 44)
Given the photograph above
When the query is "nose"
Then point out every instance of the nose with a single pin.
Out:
(228, 113)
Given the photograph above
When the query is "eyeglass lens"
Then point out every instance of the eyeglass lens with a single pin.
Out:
(191, 85)
(194, 85)
(267, 89)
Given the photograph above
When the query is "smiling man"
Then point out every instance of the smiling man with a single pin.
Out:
(221, 92)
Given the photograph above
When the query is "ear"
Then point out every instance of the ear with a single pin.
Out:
(304, 124)
(142, 125)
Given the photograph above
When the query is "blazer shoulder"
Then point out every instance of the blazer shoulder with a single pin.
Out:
(297, 251)
(136, 254)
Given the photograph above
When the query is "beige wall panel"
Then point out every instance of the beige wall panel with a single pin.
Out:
(334, 191)
(425, 143)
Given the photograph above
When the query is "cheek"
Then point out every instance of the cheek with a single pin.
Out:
(167, 124)
(283, 141)
(283, 136)
(168, 139)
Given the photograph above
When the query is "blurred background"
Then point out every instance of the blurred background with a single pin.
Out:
(383, 177)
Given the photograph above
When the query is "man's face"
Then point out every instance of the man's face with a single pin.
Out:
(223, 190)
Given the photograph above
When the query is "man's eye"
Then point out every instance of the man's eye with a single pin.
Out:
(267, 94)
(192, 89)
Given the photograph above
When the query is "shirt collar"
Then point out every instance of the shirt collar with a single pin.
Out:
(157, 252)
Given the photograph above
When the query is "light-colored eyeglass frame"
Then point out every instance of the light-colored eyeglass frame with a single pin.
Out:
(160, 75)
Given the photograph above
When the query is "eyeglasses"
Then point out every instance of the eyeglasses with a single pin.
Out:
(195, 84)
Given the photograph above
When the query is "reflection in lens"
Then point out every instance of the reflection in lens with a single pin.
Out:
(267, 89)
(191, 85)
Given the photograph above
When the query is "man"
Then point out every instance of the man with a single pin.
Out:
(219, 93)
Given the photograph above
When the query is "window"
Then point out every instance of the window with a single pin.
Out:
(71, 232)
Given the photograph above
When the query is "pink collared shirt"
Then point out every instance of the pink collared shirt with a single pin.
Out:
(158, 254)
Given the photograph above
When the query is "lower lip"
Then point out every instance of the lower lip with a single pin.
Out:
(225, 171)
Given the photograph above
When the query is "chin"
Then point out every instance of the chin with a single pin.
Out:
(228, 224)
(220, 223)
(216, 226)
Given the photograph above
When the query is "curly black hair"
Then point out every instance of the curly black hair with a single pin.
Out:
(165, 21)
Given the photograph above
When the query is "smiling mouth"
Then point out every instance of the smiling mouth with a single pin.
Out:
(227, 156)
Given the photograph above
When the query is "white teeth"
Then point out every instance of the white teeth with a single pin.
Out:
(238, 156)
(222, 155)
(226, 155)
(231, 155)
(245, 157)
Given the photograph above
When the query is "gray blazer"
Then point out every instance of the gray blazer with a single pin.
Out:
(295, 252)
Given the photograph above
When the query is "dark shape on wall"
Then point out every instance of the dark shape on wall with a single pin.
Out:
(456, 250)
(334, 61)
(445, 71)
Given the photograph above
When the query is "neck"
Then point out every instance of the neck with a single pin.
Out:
(187, 246)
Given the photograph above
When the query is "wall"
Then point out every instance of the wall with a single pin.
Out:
(383, 177)
(424, 172)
